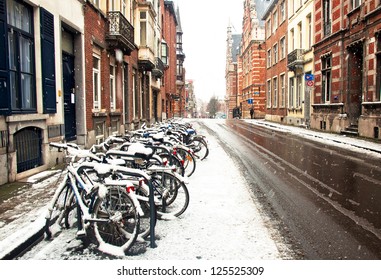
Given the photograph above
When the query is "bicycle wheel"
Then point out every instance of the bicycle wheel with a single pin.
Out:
(172, 193)
(189, 161)
(57, 209)
(174, 161)
(200, 148)
(120, 228)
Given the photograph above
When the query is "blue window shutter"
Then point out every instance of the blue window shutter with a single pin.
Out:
(4, 78)
(48, 62)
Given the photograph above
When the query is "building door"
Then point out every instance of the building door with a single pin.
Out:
(69, 96)
(355, 80)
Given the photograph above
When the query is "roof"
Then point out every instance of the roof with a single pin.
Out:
(269, 8)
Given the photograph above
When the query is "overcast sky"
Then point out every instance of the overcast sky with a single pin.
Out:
(204, 24)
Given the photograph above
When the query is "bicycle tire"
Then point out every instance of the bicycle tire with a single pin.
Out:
(171, 191)
(189, 161)
(200, 148)
(119, 233)
(56, 211)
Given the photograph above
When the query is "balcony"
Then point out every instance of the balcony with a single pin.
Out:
(295, 59)
(146, 58)
(120, 33)
(158, 71)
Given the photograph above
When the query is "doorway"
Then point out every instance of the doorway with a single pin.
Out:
(355, 83)
(69, 96)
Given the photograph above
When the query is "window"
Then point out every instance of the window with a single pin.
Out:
(300, 29)
(327, 17)
(282, 91)
(135, 94)
(164, 53)
(268, 28)
(378, 69)
(275, 21)
(291, 93)
(124, 6)
(275, 90)
(268, 94)
(282, 11)
(143, 28)
(96, 82)
(282, 47)
(99, 132)
(326, 78)
(21, 57)
(112, 87)
(292, 38)
(268, 58)
(275, 53)
(299, 88)
(356, 3)
(309, 31)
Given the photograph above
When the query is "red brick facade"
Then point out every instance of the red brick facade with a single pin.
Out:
(347, 68)
(276, 68)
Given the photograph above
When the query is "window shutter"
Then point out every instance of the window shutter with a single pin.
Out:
(4, 78)
(48, 62)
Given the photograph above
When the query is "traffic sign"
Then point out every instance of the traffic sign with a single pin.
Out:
(310, 83)
(250, 101)
(309, 77)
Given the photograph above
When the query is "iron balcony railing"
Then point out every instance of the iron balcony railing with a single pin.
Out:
(295, 58)
(158, 71)
(120, 32)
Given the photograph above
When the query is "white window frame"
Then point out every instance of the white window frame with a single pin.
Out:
(97, 84)
(309, 31)
(282, 11)
(282, 80)
(269, 93)
(269, 58)
(356, 4)
(283, 47)
(291, 93)
(326, 85)
(275, 90)
(112, 87)
(275, 21)
(276, 53)
(299, 91)
(99, 137)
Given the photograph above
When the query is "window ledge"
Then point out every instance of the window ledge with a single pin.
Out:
(328, 105)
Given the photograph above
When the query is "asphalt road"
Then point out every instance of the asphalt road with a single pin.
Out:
(323, 200)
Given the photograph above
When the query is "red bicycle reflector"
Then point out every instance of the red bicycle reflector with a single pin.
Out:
(130, 188)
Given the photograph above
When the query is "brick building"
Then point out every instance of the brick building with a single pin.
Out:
(231, 73)
(347, 67)
(252, 60)
(170, 44)
(276, 60)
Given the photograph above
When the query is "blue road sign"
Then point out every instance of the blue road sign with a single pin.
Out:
(250, 101)
(309, 77)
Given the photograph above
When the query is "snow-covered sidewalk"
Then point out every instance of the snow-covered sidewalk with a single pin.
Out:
(222, 221)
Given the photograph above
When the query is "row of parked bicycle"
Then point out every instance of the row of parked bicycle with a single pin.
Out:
(115, 191)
